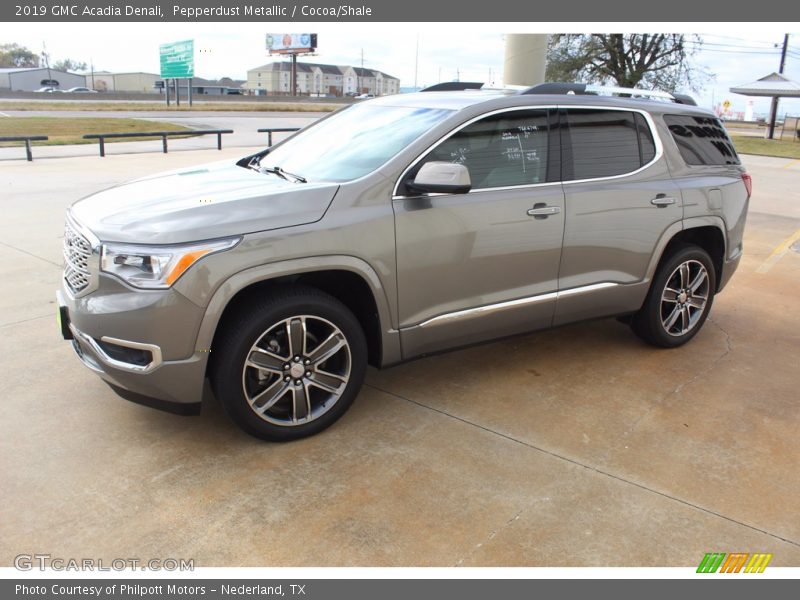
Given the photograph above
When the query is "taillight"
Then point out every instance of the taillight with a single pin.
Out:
(748, 183)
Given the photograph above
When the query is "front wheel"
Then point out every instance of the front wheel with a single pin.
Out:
(288, 365)
(679, 299)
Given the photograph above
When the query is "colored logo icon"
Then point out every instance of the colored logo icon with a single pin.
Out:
(737, 562)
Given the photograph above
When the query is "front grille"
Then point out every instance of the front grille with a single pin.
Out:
(77, 254)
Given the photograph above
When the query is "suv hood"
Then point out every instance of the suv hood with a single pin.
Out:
(210, 201)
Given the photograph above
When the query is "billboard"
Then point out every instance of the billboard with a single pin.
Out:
(291, 43)
(177, 59)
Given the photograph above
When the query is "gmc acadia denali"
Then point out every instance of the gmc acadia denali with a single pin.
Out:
(398, 227)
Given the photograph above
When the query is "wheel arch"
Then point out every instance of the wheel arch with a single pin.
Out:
(706, 232)
(350, 280)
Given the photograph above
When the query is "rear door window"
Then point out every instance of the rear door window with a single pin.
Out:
(701, 140)
(605, 143)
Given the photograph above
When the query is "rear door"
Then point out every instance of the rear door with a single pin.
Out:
(620, 199)
(477, 266)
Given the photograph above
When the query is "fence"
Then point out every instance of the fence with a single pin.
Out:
(27, 139)
(102, 137)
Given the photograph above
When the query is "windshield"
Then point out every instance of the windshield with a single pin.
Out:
(353, 142)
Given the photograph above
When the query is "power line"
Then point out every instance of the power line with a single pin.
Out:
(704, 43)
(771, 53)
(711, 47)
(738, 39)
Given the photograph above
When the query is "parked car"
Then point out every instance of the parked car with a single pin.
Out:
(365, 96)
(397, 228)
(81, 90)
(47, 89)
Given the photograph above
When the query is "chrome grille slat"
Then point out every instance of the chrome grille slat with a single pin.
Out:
(77, 254)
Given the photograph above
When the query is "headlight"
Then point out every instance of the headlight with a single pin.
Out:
(156, 267)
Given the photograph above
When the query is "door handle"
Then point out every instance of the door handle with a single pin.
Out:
(662, 200)
(541, 211)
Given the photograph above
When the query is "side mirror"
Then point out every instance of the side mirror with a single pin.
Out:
(441, 177)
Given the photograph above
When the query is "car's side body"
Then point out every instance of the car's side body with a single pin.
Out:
(425, 273)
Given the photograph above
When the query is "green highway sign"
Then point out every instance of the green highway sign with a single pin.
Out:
(177, 59)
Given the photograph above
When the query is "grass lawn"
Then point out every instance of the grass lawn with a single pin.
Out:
(757, 145)
(71, 131)
(160, 106)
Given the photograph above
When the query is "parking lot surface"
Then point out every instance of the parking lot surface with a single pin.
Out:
(578, 446)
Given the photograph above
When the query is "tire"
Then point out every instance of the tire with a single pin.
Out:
(679, 299)
(288, 365)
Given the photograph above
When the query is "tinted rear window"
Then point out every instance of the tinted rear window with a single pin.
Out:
(608, 142)
(701, 140)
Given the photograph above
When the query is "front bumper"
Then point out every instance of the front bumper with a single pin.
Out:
(139, 342)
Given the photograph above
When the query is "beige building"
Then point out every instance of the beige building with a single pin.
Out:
(105, 81)
(318, 79)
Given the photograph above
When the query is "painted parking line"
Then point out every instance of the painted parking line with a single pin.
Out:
(791, 164)
(778, 253)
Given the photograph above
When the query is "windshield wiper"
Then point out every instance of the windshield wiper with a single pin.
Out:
(285, 174)
(252, 164)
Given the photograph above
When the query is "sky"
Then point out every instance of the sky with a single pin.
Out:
(734, 53)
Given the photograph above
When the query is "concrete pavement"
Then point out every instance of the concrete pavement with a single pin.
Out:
(578, 446)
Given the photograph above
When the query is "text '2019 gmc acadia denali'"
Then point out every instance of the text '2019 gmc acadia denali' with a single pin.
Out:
(398, 227)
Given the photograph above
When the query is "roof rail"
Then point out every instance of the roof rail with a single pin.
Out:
(453, 86)
(559, 87)
(602, 90)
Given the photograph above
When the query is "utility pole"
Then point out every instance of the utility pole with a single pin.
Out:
(783, 52)
(91, 66)
(773, 113)
(46, 62)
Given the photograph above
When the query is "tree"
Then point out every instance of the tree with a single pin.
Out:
(656, 61)
(14, 55)
(67, 64)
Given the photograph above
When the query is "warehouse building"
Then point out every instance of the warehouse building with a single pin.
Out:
(106, 81)
(205, 87)
(319, 80)
(30, 79)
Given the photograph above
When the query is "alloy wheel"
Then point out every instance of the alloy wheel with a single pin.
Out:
(684, 298)
(297, 370)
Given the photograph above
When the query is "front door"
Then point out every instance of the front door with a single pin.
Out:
(483, 264)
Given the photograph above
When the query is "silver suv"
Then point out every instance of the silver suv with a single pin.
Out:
(395, 228)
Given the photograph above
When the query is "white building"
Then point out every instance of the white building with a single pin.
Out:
(319, 79)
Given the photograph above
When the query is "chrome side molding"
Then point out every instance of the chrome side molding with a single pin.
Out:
(488, 309)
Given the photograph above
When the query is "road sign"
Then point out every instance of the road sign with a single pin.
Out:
(177, 59)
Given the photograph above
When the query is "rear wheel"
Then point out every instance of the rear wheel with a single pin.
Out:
(679, 299)
(289, 365)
